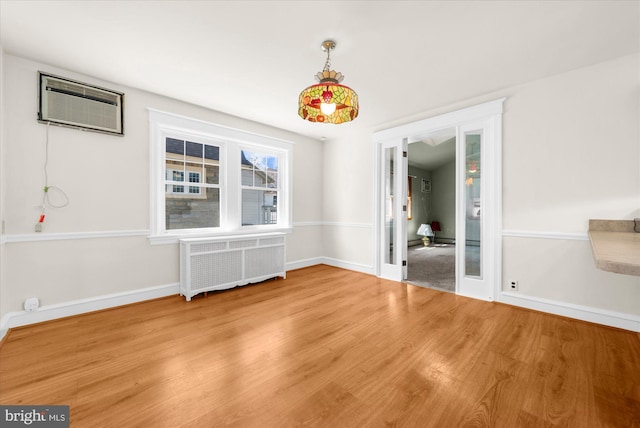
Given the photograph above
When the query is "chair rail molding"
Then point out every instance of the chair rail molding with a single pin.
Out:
(573, 236)
(33, 237)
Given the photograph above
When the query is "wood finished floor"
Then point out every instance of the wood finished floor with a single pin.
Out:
(329, 348)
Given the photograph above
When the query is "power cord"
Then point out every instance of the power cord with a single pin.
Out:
(46, 201)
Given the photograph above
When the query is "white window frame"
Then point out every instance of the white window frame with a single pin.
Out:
(231, 141)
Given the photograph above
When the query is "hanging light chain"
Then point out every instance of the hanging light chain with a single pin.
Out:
(327, 64)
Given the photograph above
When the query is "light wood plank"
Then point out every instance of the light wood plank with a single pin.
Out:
(326, 347)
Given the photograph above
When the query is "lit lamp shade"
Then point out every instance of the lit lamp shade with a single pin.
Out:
(425, 230)
(328, 103)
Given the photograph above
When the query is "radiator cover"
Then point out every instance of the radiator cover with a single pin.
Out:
(208, 264)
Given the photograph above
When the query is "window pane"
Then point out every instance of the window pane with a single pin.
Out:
(194, 150)
(272, 179)
(272, 163)
(259, 179)
(193, 212)
(259, 207)
(175, 147)
(473, 196)
(247, 175)
(194, 168)
(259, 170)
(211, 153)
(212, 174)
(171, 166)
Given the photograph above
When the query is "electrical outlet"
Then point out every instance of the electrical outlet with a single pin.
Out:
(513, 286)
(31, 304)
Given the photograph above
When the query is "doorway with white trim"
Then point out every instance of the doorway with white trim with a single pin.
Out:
(431, 213)
(478, 145)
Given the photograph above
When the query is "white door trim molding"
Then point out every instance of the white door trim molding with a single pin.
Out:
(417, 131)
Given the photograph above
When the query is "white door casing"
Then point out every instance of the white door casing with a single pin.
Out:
(485, 121)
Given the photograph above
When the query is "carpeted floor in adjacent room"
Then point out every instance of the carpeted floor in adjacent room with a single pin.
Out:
(432, 266)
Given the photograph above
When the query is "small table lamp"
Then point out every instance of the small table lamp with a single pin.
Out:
(425, 231)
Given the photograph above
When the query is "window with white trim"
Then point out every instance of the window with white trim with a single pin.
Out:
(212, 180)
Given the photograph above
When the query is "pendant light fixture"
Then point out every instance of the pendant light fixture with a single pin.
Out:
(328, 101)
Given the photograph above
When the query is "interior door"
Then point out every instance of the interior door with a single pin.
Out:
(393, 248)
(474, 246)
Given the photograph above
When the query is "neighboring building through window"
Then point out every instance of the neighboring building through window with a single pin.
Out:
(173, 175)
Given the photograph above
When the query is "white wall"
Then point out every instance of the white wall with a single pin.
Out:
(572, 149)
(571, 152)
(347, 200)
(107, 181)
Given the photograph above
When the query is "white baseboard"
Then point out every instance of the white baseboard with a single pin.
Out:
(348, 265)
(584, 313)
(299, 264)
(76, 307)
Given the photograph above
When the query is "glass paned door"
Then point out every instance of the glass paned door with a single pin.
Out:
(474, 212)
(393, 197)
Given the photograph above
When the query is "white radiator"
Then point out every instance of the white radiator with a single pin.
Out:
(208, 264)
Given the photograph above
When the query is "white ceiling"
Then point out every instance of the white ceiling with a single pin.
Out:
(433, 153)
(252, 58)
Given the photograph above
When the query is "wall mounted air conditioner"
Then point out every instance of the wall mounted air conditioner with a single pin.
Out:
(69, 103)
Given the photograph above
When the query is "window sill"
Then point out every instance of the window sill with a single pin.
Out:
(174, 238)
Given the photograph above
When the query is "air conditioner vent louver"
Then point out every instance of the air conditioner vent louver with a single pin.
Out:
(69, 103)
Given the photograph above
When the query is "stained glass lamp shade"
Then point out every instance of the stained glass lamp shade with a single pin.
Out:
(328, 101)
